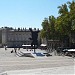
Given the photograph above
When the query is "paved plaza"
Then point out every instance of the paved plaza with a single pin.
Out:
(35, 66)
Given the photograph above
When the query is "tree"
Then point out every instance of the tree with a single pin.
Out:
(45, 26)
(51, 30)
(63, 25)
(48, 27)
(63, 10)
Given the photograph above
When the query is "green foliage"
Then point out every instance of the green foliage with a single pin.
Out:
(48, 27)
(64, 24)
(63, 9)
(43, 33)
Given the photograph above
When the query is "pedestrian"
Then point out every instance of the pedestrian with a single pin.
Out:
(12, 51)
(15, 49)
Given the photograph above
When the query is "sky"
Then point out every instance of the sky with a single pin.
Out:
(27, 13)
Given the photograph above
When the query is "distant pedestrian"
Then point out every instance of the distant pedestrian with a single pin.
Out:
(5, 48)
(12, 51)
(15, 49)
(55, 52)
(18, 48)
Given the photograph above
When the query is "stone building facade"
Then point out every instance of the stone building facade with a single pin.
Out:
(16, 37)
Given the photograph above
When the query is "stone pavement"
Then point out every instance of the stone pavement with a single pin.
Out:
(65, 70)
(40, 65)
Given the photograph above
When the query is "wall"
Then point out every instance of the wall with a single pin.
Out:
(16, 37)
